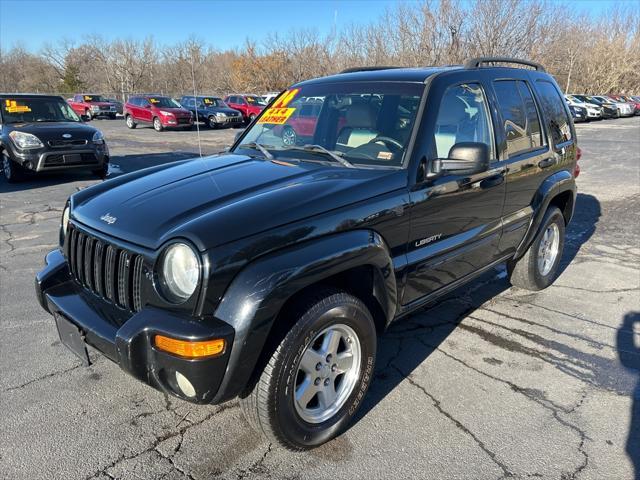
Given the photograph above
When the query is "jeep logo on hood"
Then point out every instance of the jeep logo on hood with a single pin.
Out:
(107, 217)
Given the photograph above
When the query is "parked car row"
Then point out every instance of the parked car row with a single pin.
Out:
(596, 107)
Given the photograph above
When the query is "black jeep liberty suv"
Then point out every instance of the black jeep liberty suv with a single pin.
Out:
(268, 272)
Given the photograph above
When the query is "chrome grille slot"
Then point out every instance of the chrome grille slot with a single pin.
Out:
(110, 272)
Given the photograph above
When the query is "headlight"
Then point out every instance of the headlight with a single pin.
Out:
(98, 137)
(180, 272)
(221, 114)
(166, 114)
(25, 140)
(64, 223)
(95, 107)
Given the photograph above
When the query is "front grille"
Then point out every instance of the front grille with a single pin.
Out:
(66, 143)
(69, 159)
(106, 270)
(184, 120)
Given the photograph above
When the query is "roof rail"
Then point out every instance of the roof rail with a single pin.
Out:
(478, 61)
(367, 69)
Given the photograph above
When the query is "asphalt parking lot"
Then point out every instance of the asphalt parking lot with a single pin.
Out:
(491, 382)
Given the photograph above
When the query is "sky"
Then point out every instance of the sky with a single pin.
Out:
(224, 24)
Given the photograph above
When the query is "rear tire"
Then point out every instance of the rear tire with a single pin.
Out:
(538, 267)
(314, 382)
(130, 123)
(13, 172)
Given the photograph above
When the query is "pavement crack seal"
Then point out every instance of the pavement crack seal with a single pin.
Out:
(543, 402)
(8, 241)
(44, 377)
(158, 440)
(256, 467)
(436, 403)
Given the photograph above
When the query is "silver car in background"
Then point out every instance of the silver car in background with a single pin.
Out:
(624, 109)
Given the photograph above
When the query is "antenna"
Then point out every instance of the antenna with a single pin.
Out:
(195, 99)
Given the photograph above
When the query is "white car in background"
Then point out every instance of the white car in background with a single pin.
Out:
(594, 112)
(270, 96)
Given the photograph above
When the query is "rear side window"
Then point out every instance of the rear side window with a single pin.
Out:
(556, 116)
(518, 109)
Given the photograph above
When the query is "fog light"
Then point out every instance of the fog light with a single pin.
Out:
(29, 165)
(185, 385)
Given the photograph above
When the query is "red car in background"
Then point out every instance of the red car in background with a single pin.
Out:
(249, 105)
(635, 101)
(159, 111)
(301, 125)
(92, 105)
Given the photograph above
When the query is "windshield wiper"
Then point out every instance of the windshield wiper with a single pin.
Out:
(258, 146)
(337, 156)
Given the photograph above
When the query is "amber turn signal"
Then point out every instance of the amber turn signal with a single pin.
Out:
(184, 348)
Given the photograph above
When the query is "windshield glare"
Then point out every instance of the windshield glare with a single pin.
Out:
(164, 102)
(367, 124)
(18, 110)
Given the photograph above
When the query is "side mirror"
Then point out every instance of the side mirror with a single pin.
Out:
(465, 158)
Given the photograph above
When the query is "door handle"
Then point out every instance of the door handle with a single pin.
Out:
(547, 162)
(493, 180)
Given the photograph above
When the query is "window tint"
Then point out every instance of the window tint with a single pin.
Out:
(556, 116)
(533, 121)
(462, 117)
(513, 115)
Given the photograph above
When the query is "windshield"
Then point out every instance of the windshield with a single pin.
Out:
(164, 102)
(93, 98)
(19, 110)
(212, 102)
(367, 124)
(251, 100)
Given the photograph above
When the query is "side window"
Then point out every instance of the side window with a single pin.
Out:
(513, 113)
(462, 117)
(232, 100)
(556, 116)
(77, 98)
(533, 121)
(133, 101)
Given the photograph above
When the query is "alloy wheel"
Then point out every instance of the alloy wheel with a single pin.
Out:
(327, 373)
(548, 249)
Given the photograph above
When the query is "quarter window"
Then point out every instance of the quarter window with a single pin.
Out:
(462, 117)
(555, 113)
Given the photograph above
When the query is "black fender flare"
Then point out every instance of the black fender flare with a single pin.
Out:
(552, 186)
(257, 294)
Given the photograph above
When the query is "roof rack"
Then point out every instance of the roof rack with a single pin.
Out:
(367, 69)
(478, 61)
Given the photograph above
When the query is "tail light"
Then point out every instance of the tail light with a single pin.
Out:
(576, 169)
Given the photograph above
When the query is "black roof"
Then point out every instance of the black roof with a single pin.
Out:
(28, 95)
(382, 74)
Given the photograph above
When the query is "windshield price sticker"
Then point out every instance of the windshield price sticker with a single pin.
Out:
(278, 113)
(154, 100)
(208, 101)
(11, 106)
(87, 98)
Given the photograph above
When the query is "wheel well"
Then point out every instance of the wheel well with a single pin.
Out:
(358, 281)
(564, 201)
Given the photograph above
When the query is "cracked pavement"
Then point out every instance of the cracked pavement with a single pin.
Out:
(490, 382)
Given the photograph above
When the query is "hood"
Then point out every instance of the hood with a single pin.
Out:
(54, 130)
(226, 110)
(215, 200)
(181, 112)
(102, 104)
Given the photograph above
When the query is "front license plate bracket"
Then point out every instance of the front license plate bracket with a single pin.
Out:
(72, 337)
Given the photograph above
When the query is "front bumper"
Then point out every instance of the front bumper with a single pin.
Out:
(52, 159)
(127, 339)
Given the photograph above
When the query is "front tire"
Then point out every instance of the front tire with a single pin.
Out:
(157, 125)
(314, 382)
(130, 123)
(289, 137)
(211, 122)
(538, 267)
(13, 172)
(102, 171)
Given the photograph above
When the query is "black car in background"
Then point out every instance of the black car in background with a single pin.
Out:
(212, 111)
(609, 109)
(119, 105)
(42, 133)
(579, 114)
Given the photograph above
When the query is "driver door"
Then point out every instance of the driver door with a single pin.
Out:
(455, 218)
